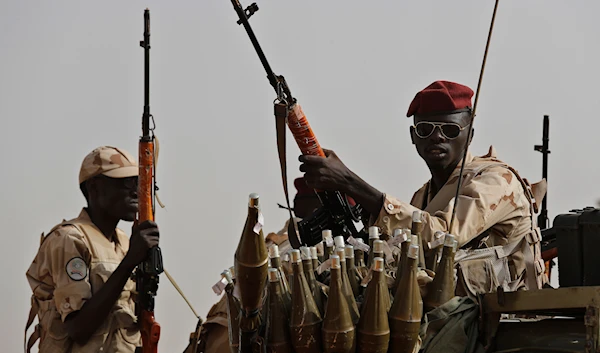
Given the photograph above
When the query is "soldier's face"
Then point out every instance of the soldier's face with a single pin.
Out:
(440, 140)
(117, 197)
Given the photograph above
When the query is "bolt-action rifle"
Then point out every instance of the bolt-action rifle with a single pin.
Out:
(338, 212)
(148, 271)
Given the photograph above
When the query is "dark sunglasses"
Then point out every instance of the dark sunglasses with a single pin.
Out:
(424, 129)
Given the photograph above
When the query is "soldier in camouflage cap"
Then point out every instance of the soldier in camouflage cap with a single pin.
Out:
(495, 226)
(83, 293)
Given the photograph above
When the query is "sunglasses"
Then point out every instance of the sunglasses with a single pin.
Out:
(450, 131)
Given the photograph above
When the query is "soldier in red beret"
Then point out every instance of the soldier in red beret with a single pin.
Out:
(496, 210)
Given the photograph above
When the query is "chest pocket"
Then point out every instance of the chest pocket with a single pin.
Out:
(123, 312)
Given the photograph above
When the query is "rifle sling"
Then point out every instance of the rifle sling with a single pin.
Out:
(281, 112)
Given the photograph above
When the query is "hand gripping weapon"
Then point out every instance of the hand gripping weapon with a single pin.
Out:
(148, 271)
(338, 212)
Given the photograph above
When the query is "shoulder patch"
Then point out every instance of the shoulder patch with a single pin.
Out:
(77, 269)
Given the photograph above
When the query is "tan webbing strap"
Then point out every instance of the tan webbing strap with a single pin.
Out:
(499, 251)
(494, 253)
(33, 311)
(281, 113)
(534, 266)
(528, 193)
(33, 338)
(507, 250)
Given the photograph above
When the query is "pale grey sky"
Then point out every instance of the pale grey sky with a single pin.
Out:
(71, 79)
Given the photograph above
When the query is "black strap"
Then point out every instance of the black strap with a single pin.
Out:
(281, 112)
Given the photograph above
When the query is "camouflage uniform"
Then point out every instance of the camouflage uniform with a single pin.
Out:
(73, 262)
(494, 224)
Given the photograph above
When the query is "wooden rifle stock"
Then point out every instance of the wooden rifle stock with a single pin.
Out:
(148, 271)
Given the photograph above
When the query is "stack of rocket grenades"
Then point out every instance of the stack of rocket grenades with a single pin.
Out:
(332, 300)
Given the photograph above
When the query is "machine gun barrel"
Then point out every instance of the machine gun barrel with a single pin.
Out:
(543, 148)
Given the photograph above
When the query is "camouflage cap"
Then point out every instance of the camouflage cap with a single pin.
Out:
(110, 161)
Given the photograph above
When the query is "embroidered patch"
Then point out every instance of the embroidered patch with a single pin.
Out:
(77, 269)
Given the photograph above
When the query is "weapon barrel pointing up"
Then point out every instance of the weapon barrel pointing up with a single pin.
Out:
(544, 149)
(244, 15)
(148, 271)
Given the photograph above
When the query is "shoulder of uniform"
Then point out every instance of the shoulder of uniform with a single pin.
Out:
(422, 188)
(65, 229)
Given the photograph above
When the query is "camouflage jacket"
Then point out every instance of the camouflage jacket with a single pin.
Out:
(73, 262)
(496, 208)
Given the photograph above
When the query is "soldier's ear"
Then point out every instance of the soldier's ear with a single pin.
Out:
(412, 134)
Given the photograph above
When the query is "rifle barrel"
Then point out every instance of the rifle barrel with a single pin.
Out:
(146, 45)
(261, 55)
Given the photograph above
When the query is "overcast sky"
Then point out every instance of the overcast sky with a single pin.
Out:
(71, 79)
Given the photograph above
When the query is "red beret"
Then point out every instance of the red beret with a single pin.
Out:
(441, 97)
(302, 188)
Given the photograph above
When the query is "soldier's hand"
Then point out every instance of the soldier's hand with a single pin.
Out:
(143, 237)
(327, 173)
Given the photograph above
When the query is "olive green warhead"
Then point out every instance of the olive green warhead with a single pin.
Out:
(442, 288)
(359, 259)
(416, 229)
(377, 249)
(373, 330)
(314, 255)
(373, 235)
(283, 282)
(251, 260)
(327, 244)
(407, 309)
(341, 253)
(305, 319)
(351, 270)
(278, 334)
(435, 251)
(403, 258)
(338, 328)
(309, 272)
(251, 266)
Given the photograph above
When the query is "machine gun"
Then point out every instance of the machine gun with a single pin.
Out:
(543, 148)
(338, 212)
(148, 271)
(548, 244)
